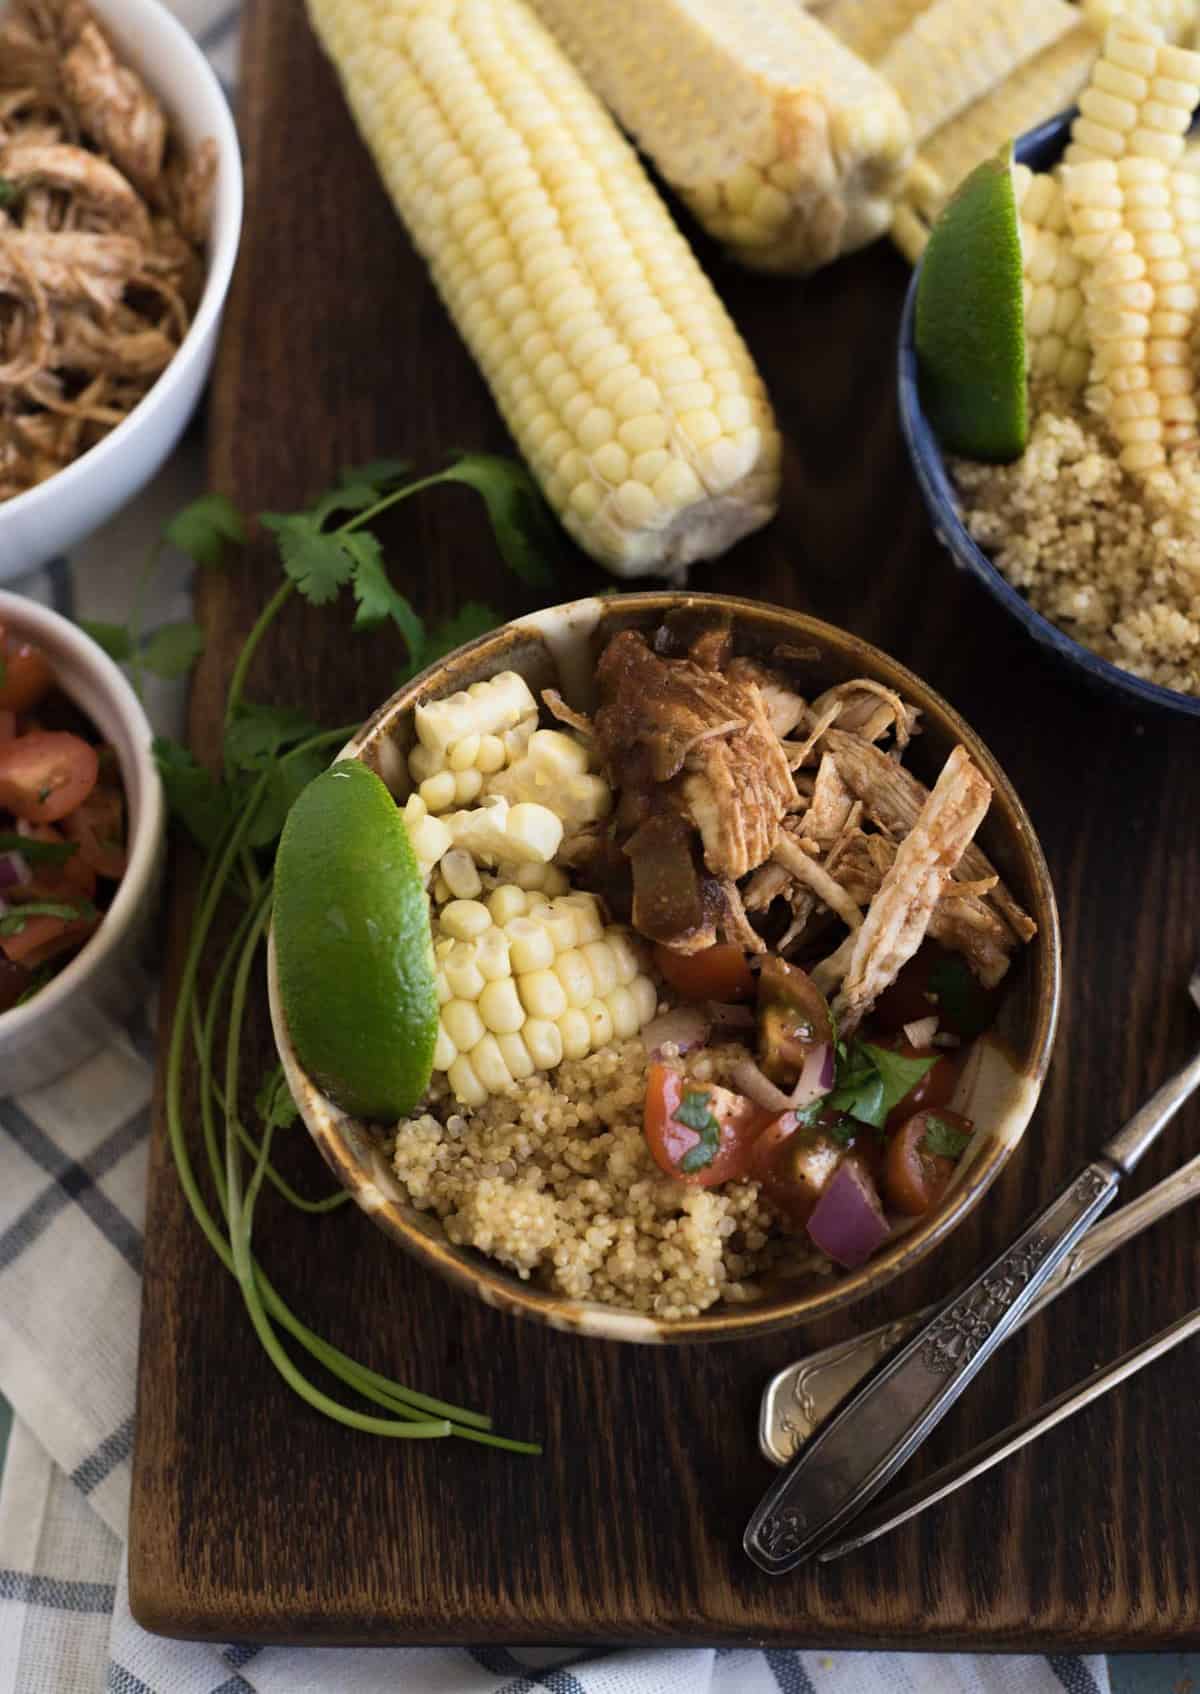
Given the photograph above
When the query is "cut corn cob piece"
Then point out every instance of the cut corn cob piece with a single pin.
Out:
(1141, 305)
(1046, 84)
(565, 276)
(784, 144)
(1176, 18)
(959, 50)
(1056, 339)
(520, 996)
(1139, 100)
(868, 27)
(486, 708)
(496, 833)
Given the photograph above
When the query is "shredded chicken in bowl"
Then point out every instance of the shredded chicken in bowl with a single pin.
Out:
(103, 219)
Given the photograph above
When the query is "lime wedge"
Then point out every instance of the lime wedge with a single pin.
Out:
(352, 945)
(970, 319)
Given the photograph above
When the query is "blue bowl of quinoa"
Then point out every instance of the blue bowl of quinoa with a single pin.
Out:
(1066, 541)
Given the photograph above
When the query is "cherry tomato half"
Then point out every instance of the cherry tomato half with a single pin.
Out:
(46, 775)
(98, 826)
(42, 939)
(914, 1176)
(739, 1122)
(25, 673)
(793, 1018)
(715, 973)
(793, 1162)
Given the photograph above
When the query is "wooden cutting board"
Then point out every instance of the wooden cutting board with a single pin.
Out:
(254, 1518)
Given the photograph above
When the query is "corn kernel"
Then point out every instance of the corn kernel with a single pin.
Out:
(491, 955)
(645, 998)
(544, 1042)
(516, 1056)
(461, 876)
(465, 919)
(463, 1024)
(530, 945)
(572, 971)
(466, 1086)
(588, 926)
(603, 966)
(444, 1051)
(624, 955)
(414, 810)
(506, 903)
(487, 1061)
(462, 972)
(576, 1034)
(500, 1006)
(600, 1024)
(429, 839)
(491, 756)
(542, 994)
(622, 1008)
(425, 762)
(560, 922)
(468, 785)
(442, 894)
(461, 756)
(438, 791)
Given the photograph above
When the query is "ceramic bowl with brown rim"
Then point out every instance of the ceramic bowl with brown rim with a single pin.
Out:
(558, 648)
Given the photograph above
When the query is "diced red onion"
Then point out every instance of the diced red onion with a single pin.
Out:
(683, 1028)
(847, 1223)
(730, 1017)
(14, 870)
(751, 1082)
(811, 1083)
(921, 1032)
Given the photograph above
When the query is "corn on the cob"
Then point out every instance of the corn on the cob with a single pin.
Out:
(1139, 99)
(956, 51)
(785, 145)
(554, 772)
(1056, 340)
(1141, 305)
(617, 369)
(521, 986)
(868, 27)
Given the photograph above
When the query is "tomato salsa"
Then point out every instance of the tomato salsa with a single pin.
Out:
(62, 824)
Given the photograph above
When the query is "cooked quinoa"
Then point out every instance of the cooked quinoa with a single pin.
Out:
(555, 1180)
(1112, 558)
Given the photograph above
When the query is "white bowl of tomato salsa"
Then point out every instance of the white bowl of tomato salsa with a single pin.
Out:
(83, 783)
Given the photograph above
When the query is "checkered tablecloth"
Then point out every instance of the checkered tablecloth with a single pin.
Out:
(72, 1194)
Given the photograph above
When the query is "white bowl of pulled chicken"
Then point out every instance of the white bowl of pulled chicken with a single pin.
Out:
(747, 961)
(120, 209)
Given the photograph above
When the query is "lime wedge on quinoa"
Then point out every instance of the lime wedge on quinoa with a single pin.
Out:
(970, 319)
(353, 949)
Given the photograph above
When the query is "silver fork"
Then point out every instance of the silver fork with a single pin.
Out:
(799, 1398)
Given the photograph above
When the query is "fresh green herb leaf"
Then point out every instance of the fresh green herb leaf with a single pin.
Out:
(14, 921)
(318, 564)
(943, 1140)
(471, 620)
(258, 733)
(695, 1112)
(274, 1103)
(525, 532)
(8, 191)
(203, 807)
(872, 1080)
(959, 1000)
(37, 852)
(173, 649)
(113, 637)
(206, 529)
(377, 599)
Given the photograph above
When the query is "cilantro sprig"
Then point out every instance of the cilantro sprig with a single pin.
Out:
(695, 1112)
(235, 815)
(870, 1082)
(14, 921)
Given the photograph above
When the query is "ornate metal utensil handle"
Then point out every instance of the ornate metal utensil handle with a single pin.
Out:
(879, 1429)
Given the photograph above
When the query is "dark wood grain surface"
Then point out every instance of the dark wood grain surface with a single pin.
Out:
(254, 1518)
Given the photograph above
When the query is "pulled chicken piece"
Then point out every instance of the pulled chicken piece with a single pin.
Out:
(692, 749)
(898, 917)
(893, 800)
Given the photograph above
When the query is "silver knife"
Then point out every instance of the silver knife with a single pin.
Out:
(912, 1501)
(880, 1428)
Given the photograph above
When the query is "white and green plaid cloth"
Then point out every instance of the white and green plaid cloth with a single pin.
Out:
(72, 1197)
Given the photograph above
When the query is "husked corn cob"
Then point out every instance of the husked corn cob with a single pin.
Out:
(485, 708)
(785, 145)
(555, 772)
(523, 985)
(1056, 340)
(958, 50)
(1139, 99)
(617, 369)
(868, 27)
(1141, 304)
